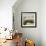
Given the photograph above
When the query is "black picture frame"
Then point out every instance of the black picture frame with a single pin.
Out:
(28, 19)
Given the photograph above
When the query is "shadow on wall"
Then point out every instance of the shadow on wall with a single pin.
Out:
(17, 4)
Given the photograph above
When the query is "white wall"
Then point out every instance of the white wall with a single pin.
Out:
(43, 22)
(35, 34)
(6, 13)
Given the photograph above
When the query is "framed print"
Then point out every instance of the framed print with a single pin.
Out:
(28, 19)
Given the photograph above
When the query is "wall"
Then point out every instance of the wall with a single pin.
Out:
(43, 22)
(35, 34)
(6, 13)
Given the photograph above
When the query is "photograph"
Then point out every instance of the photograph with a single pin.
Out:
(22, 22)
(28, 19)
